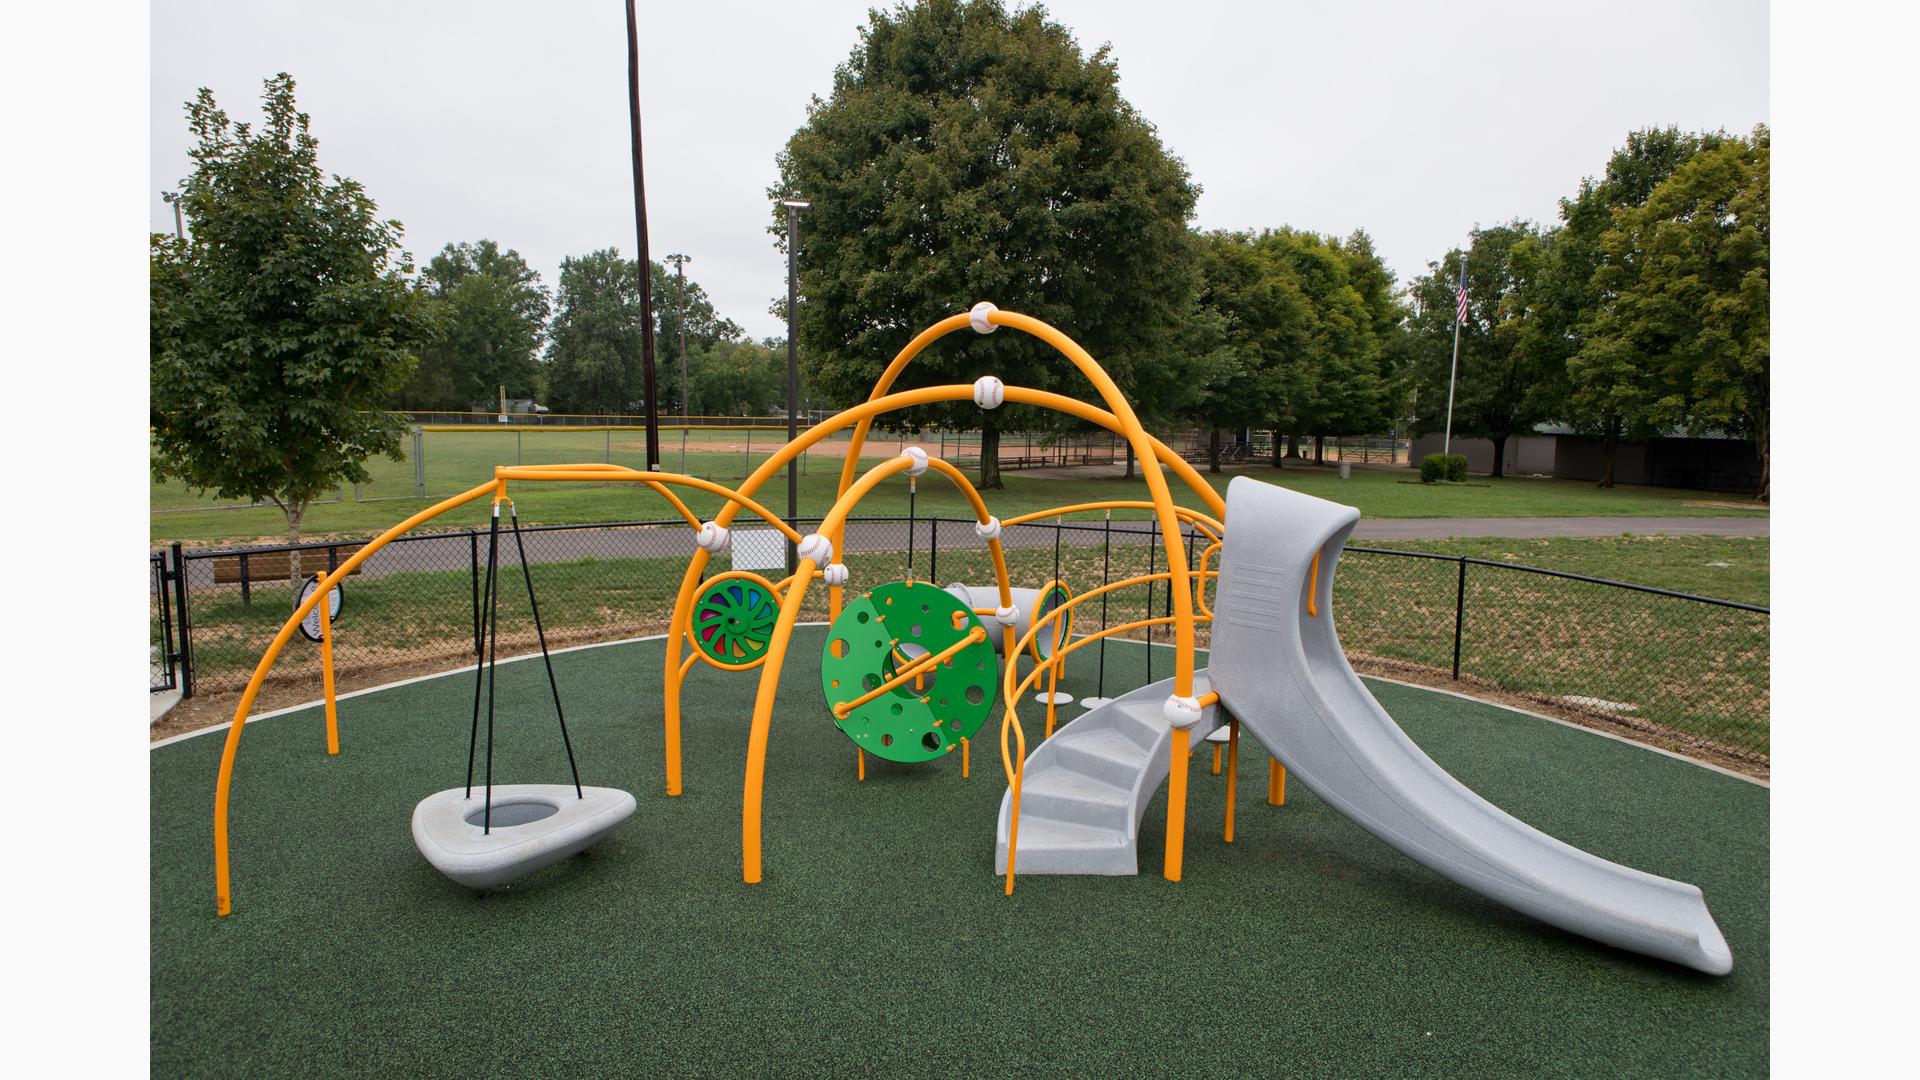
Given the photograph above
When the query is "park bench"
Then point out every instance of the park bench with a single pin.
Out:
(246, 568)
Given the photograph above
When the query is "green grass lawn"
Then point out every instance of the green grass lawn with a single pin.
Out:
(880, 943)
(1724, 567)
(1380, 493)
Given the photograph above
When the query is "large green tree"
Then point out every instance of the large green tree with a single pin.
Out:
(1505, 384)
(967, 153)
(1249, 340)
(737, 378)
(706, 328)
(593, 364)
(1695, 312)
(495, 313)
(283, 323)
(1613, 385)
(1343, 380)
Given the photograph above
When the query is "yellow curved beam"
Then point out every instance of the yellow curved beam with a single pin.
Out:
(735, 500)
(223, 786)
(1115, 504)
(911, 669)
(790, 603)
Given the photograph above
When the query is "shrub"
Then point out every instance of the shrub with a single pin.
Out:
(1457, 468)
(1433, 468)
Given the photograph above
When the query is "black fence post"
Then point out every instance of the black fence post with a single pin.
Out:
(1459, 615)
(246, 581)
(933, 548)
(186, 634)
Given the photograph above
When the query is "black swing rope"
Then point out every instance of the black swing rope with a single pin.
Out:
(545, 657)
(492, 601)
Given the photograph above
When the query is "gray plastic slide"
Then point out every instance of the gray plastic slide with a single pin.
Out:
(1281, 671)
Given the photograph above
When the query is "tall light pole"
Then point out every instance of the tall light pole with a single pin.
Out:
(680, 266)
(794, 206)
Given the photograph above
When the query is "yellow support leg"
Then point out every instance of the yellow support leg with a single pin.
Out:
(1216, 759)
(1177, 802)
(326, 675)
(1276, 783)
(966, 762)
(860, 757)
(1233, 771)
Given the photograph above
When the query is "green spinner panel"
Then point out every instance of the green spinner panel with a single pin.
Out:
(883, 630)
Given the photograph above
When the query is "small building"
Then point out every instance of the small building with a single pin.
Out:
(1708, 461)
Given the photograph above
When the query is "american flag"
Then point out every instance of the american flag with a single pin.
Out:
(1461, 312)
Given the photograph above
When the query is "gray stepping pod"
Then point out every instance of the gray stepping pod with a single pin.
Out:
(1283, 674)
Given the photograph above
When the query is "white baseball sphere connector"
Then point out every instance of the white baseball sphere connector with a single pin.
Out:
(919, 459)
(1181, 712)
(816, 547)
(835, 574)
(989, 392)
(712, 538)
(988, 529)
(977, 317)
(1007, 616)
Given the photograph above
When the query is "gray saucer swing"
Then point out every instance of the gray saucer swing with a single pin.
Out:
(484, 839)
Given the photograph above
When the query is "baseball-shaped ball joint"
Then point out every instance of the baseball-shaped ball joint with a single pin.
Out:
(712, 538)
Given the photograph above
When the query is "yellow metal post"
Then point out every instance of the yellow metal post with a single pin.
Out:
(1276, 782)
(1177, 802)
(1233, 772)
(326, 676)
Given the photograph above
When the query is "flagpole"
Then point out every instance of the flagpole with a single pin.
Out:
(1446, 441)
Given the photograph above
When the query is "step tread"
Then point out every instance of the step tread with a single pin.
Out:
(1062, 782)
(1037, 833)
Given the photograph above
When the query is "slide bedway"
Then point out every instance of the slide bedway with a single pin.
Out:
(1277, 670)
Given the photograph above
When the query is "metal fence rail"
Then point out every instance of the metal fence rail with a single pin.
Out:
(1676, 669)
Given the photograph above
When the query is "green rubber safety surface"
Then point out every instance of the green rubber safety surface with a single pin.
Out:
(733, 619)
(880, 632)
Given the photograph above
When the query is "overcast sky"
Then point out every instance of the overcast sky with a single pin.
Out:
(1413, 120)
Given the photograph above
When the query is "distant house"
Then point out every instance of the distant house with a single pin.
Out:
(1709, 461)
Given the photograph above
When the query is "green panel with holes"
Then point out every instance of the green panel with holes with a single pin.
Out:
(882, 631)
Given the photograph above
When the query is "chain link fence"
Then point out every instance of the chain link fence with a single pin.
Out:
(1687, 672)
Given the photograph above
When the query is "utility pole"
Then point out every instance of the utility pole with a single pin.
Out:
(680, 267)
(179, 227)
(643, 260)
(794, 206)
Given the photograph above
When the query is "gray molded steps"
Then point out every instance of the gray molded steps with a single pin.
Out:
(1084, 791)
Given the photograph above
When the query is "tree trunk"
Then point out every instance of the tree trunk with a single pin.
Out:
(1319, 449)
(1213, 451)
(1608, 444)
(1760, 420)
(1128, 475)
(1499, 456)
(1293, 446)
(990, 458)
(294, 512)
(1279, 451)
